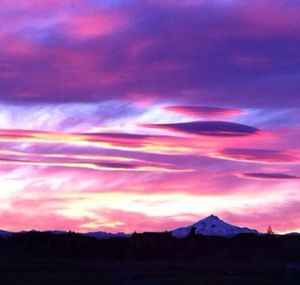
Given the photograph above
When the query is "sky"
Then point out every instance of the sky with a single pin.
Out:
(148, 115)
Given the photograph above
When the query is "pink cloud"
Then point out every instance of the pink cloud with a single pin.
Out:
(232, 31)
(33, 4)
(278, 18)
(258, 155)
(96, 24)
(132, 221)
(203, 111)
(13, 222)
(283, 218)
(16, 47)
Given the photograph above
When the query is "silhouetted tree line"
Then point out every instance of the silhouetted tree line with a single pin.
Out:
(145, 246)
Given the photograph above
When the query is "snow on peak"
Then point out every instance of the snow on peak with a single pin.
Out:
(212, 225)
(212, 218)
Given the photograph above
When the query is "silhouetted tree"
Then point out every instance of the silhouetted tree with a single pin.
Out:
(192, 232)
(270, 231)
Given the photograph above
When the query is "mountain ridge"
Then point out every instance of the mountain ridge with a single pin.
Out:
(209, 226)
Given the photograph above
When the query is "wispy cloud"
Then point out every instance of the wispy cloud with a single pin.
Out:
(259, 155)
(144, 115)
(203, 111)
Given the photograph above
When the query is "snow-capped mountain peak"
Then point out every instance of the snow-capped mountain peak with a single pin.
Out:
(212, 225)
(210, 219)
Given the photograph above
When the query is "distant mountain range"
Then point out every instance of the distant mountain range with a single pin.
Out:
(97, 235)
(210, 226)
(106, 235)
(5, 234)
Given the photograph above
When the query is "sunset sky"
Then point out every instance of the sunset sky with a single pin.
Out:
(149, 114)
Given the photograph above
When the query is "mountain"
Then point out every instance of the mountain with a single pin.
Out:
(212, 226)
(292, 234)
(105, 235)
(5, 234)
(97, 235)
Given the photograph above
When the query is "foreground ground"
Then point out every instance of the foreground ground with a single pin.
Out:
(44, 271)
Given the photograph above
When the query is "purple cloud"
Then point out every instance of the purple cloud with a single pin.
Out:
(208, 128)
(65, 162)
(261, 175)
(225, 53)
(258, 155)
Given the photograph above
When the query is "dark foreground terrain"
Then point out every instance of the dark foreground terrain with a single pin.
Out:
(73, 271)
(150, 259)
